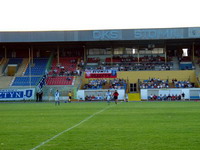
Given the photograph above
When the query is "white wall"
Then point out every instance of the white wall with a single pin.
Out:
(145, 92)
(82, 93)
(52, 98)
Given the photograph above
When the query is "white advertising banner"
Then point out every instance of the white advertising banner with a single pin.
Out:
(17, 94)
(190, 93)
(81, 94)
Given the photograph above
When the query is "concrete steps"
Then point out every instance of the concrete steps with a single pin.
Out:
(77, 81)
(106, 86)
(22, 67)
(197, 67)
(3, 62)
(5, 81)
(175, 63)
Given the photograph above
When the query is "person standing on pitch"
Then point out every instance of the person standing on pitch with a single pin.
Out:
(183, 96)
(57, 98)
(116, 94)
(70, 96)
(108, 96)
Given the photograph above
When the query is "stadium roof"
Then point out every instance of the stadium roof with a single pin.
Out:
(101, 35)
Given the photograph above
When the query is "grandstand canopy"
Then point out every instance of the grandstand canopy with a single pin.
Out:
(81, 25)
(102, 35)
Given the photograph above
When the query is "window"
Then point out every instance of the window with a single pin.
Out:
(185, 52)
(133, 51)
(96, 51)
(108, 51)
(118, 51)
(153, 51)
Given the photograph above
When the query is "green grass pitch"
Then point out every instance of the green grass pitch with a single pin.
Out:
(125, 126)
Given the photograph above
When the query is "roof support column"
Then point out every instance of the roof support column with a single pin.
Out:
(165, 51)
(193, 51)
(30, 65)
(85, 54)
(31, 55)
(5, 52)
(58, 56)
(112, 54)
(138, 55)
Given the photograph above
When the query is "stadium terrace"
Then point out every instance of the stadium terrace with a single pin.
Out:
(42, 62)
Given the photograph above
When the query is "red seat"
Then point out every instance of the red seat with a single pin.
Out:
(59, 81)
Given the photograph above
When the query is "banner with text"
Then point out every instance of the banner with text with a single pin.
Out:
(101, 74)
(17, 94)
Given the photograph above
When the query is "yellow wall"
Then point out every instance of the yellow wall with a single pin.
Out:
(198, 82)
(86, 80)
(12, 70)
(134, 97)
(133, 76)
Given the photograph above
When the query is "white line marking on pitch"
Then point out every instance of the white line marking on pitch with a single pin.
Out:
(70, 128)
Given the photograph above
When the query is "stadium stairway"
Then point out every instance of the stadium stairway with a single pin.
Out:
(175, 63)
(5, 81)
(3, 62)
(78, 81)
(198, 72)
(22, 68)
(197, 67)
(107, 86)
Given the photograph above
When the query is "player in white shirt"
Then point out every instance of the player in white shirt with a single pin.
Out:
(108, 96)
(57, 98)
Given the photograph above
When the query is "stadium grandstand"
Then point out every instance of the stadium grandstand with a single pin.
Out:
(138, 63)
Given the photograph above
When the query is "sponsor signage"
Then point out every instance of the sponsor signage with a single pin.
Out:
(158, 34)
(17, 94)
(194, 32)
(107, 35)
(101, 74)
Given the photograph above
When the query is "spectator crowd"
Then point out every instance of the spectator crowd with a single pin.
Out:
(154, 83)
(92, 97)
(95, 84)
(165, 97)
(118, 84)
(182, 84)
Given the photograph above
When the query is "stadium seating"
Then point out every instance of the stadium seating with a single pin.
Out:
(118, 84)
(95, 84)
(131, 63)
(135, 59)
(154, 83)
(66, 64)
(15, 61)
(186, 66)
(186, 63)
(93, 60)
(194, 97)
(108, 60)
(38, 68)
(185, 59)
(182, 84)
(59, 80)
(26, 81)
